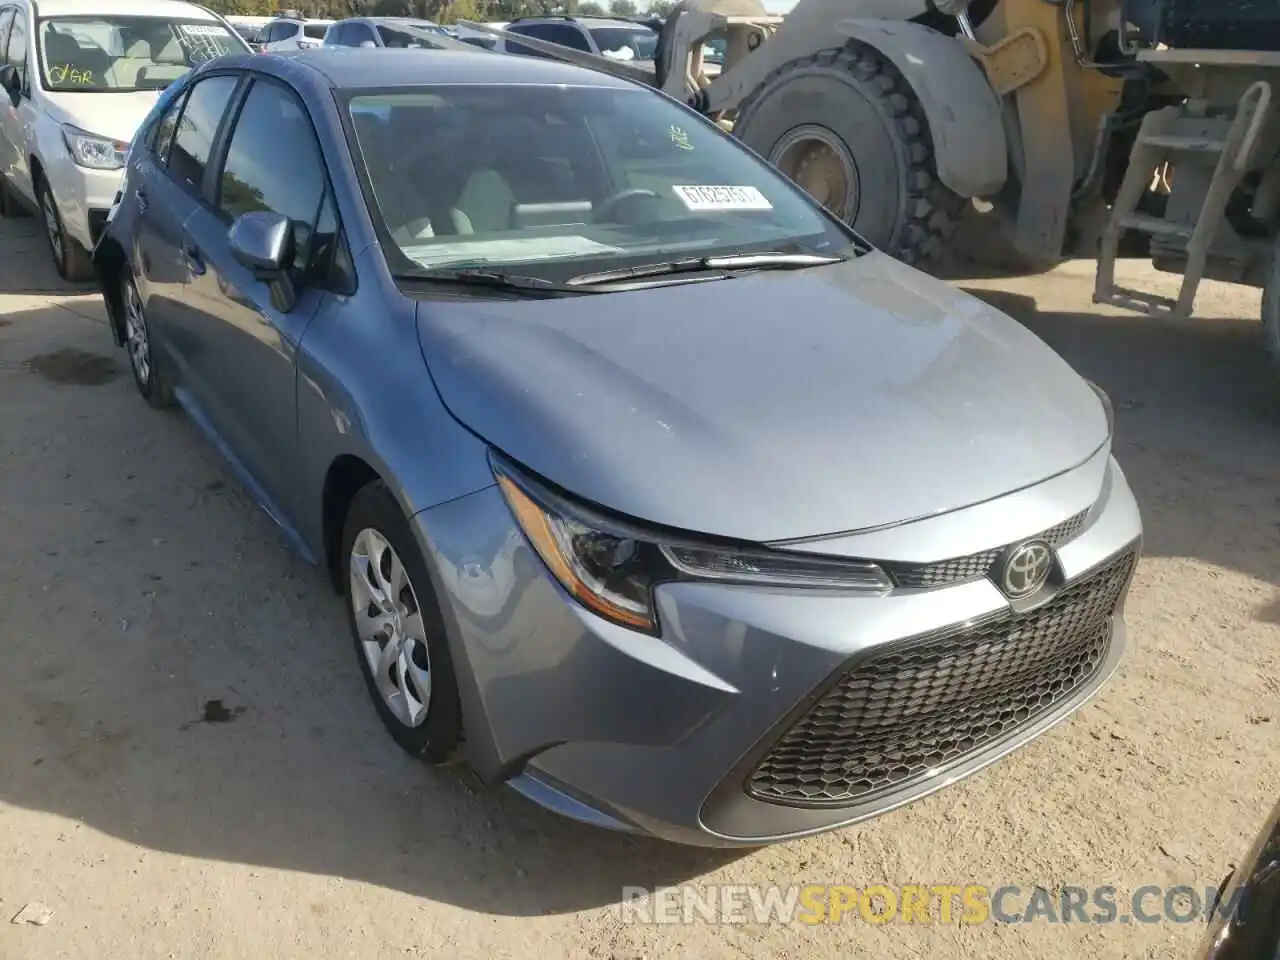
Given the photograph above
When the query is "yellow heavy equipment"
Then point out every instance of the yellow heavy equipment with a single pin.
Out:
(1085, 127)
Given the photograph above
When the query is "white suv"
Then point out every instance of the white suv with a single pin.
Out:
(75, 83)
(289, 34)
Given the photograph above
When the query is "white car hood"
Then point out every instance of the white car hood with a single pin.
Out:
(114, 115)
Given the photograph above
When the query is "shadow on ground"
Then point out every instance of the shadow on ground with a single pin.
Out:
(28, 265)
(139, 584)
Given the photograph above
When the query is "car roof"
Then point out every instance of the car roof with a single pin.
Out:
(353, 67)
(123, 8)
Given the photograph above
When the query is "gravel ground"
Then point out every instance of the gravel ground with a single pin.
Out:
(138, 584)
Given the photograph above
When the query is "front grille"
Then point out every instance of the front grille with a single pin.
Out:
(975, 565)
(924, 705)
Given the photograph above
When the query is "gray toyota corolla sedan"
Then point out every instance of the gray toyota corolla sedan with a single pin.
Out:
(653, 492)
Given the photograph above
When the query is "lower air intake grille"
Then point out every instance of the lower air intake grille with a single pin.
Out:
(925, 705)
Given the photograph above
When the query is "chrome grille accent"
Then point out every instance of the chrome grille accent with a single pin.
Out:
(975, 565)
(911, 711)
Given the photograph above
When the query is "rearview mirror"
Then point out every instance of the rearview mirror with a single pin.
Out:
(263, 242)
(11, 81)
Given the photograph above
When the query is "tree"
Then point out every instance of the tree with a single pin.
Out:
(589, 8)
(623, 8)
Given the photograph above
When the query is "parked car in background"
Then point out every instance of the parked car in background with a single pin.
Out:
(76, 83)
(623, 39)
(389, 32)
(290, 34)
(679, 558)
(250, 28)
(475, 38)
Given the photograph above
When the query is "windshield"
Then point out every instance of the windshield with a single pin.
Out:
(564, 180)
(641, 41)
(123, 54)
(315, 30)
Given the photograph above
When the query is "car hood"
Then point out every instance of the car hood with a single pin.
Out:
(769, 406)
(113, 115)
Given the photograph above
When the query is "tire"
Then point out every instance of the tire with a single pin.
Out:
(434, 735)
(151, 381)
(1271, 309)
(71, 260)
(855, 98)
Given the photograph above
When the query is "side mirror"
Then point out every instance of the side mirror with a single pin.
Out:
(263, 242)
(11, 81)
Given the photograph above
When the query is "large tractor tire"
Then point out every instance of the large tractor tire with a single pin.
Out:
(848, 129)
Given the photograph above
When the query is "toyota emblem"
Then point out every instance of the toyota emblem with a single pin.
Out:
(1027, 569)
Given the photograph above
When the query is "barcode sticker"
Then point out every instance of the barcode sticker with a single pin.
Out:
(202, 29)
(705, 197)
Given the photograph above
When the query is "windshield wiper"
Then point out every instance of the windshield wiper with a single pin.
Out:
(493, 279)
(768, 260)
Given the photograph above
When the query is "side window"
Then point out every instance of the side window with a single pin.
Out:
(339, 35)
(6, 20)
(274, 163)
(165, 129)
(397, 38)
(290, 30)
(268, 33)
(16, 52)
(358, 33)
(197, 127)
(531, 30)
(564, 34)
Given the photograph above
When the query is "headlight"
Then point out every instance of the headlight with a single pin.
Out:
(96, 153)
(1106, 406)
(611, 566)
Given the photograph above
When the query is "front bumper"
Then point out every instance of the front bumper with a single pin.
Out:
(84, 196)
(668, 736)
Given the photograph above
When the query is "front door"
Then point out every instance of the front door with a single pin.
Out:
(17, 115)
(249, 343)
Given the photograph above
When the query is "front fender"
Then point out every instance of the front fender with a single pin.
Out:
(970, 147)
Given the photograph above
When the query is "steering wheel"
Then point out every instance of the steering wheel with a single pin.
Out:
(607, 206)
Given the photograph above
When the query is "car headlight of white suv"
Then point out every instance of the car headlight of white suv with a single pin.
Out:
(92, 151)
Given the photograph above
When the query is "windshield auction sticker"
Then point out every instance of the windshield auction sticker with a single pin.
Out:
(721, 198)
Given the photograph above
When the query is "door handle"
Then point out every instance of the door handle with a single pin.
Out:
(141, 196)
(191, 254)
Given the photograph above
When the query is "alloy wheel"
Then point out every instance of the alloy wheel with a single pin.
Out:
(135, 326)
(53, 227)
(389, 625)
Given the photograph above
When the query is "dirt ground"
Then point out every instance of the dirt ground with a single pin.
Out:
(138, 583)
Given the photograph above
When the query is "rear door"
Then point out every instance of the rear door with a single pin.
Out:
(248, 342)
(168, 192)
(169, 182)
